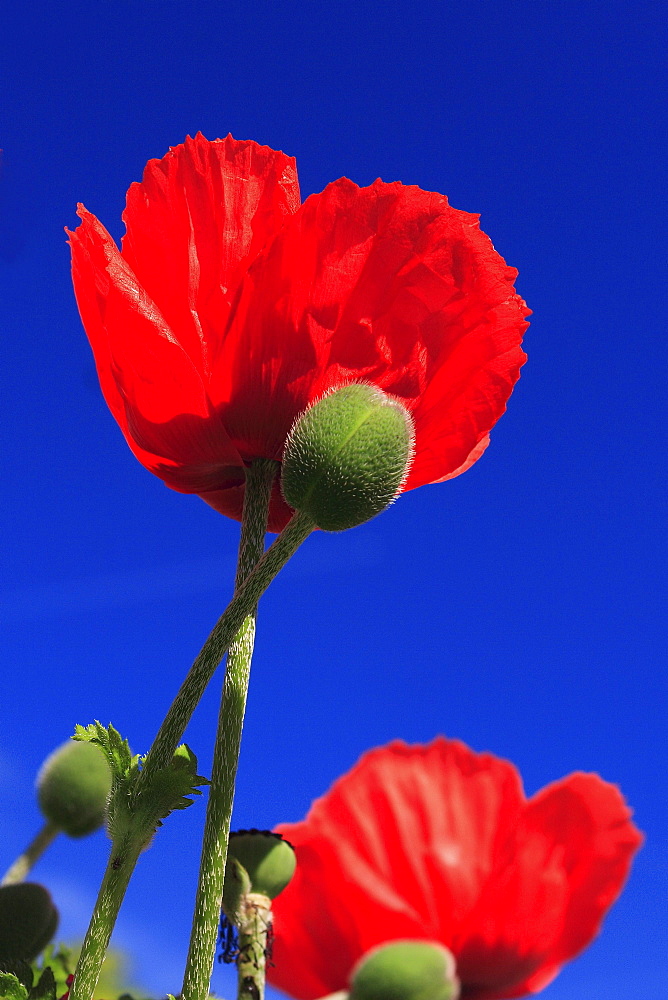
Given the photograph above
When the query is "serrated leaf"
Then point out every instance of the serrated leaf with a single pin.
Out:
(11, 988)
(170, 787)
(20, 968)
(115, 748)
(136, 808)
(124, 768)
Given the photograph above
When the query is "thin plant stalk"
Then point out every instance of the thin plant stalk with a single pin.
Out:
(121, 865)
(123, 858)
(254, 931)
(33, 852)
(199, 962)
(224, 632)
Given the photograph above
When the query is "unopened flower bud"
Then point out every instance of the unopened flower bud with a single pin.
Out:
(267, 860)
(347, 457)
(405, 970)
(73, 786)
(28, 921)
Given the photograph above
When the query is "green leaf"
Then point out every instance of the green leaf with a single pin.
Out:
(113, 746)
(170, 787)
(137, 807)
(11, 988)
(125, 771)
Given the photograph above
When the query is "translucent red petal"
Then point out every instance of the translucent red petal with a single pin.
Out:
(230, 309)
(439, 843)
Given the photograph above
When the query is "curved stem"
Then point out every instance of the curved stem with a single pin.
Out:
(123, 860)
(242, 604)
(201, 952)
(35, 849)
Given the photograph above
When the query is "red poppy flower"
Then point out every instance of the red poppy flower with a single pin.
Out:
(439, 843)
(231, 307)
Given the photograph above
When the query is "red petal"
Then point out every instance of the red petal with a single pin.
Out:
(148, 381)
(398, 848)
(438, 843)
(471, 459)
(386, 284)
(198, 218)
(561, 869)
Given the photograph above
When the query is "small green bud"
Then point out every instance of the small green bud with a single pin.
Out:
(405, 970)
(264, 858)
(347, 457)
(236, 887)
(28, 921)
(73, 786)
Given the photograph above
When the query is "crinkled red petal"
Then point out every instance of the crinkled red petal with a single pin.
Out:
(231, 309)
(194, 223)
(386, 284)
(149, 382)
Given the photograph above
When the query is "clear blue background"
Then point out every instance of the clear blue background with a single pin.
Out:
(519, 607)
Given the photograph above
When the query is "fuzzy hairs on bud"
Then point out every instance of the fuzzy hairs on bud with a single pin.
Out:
(348, 456)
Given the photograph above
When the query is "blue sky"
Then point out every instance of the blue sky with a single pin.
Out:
(519, 607)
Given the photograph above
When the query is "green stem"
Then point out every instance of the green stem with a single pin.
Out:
(242, 604)
(206, 918)
(252, 958)
(120, 867)
(35, 849)
(122, 862)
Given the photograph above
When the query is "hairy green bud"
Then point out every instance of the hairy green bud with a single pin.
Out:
(257, 861)
(347, 457)
(73, 786)
(28, 921)
(405, 970)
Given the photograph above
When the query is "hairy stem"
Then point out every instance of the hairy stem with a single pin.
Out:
(35, 849)
(199, 962)
(242, 604)
(121, 864)
(252, 959)
(123, 860)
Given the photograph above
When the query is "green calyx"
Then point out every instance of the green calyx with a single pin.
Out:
(28, 921)
(73, 787)
(347, 457)
(257, 861)
(405, 970)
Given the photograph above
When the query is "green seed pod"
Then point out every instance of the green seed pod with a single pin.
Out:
(28, 921)
(405, 970)
(347, 457)
(267, 859)
(73, 786)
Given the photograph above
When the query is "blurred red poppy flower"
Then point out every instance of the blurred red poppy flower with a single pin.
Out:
(440, 843)
(231, 306)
